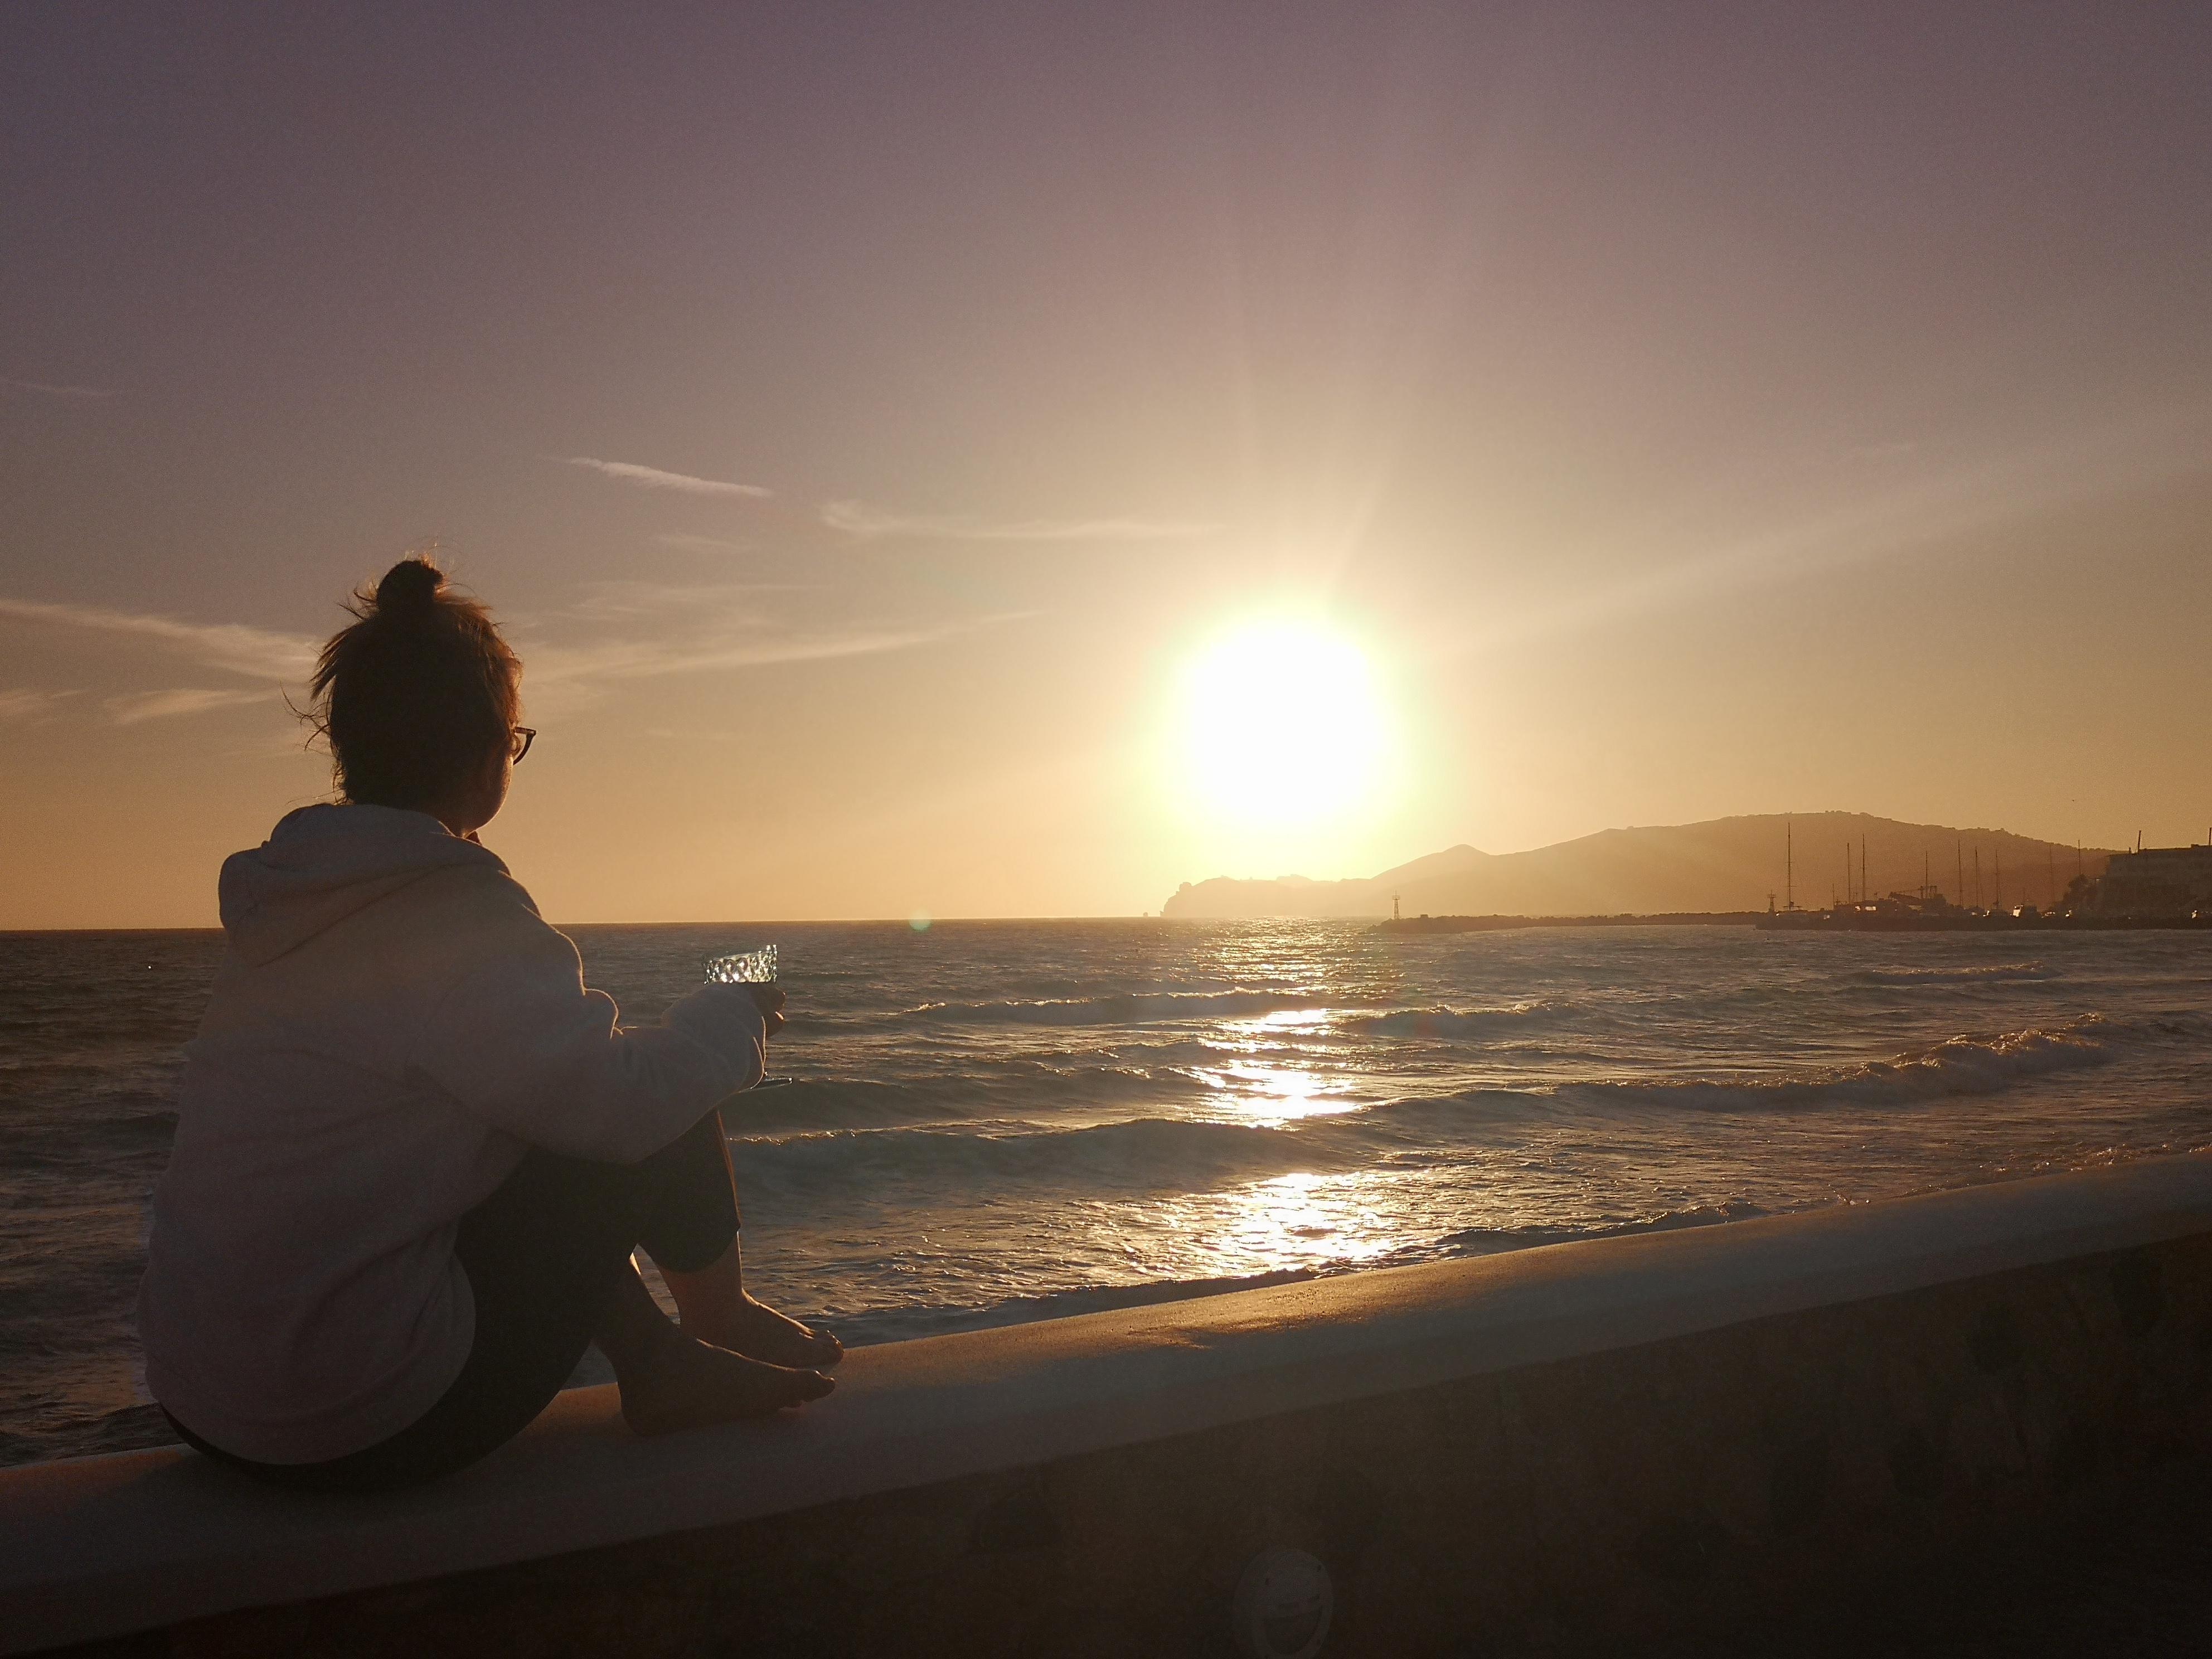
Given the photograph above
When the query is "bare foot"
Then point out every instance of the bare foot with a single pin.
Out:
(759, 1332)
(690, 1384)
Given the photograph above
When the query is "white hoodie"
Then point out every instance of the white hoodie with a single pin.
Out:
(392, 1029)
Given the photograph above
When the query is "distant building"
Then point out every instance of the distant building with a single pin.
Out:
(2157, 881)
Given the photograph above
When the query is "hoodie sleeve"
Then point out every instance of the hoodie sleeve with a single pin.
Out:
(517, 1041)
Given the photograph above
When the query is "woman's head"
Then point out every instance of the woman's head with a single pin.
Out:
(419, 699)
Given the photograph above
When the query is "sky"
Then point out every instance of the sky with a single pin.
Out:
(875, 426)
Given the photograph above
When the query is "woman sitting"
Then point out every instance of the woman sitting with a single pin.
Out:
(413, 1153)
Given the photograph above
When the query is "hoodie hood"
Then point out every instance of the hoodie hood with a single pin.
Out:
(321, 863)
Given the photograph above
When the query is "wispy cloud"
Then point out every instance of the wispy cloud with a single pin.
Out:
(674, 608)
(700, 544)
(235, 647)
(643, 630)
(866, 523)
(27, 706)
(47, 388)
(185, 700)
(567, 667)
(612, 632)
(653, 478)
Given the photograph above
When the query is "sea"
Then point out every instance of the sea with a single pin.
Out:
(978, 1123)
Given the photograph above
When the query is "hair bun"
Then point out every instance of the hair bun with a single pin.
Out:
(409, 588)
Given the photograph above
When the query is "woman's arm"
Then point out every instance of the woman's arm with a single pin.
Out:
(518, 1042)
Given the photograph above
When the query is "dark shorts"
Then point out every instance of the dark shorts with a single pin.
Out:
(542, 1255)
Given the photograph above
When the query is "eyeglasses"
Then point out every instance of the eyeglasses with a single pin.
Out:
(519, 739)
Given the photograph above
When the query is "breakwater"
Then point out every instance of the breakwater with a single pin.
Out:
(1561, 1449)
(1415, 926)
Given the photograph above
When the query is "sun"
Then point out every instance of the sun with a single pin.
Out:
(1284, 728)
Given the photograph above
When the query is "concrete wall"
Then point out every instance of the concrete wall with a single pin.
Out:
(1585, 1496)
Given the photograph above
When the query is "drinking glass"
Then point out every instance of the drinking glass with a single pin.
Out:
(745, 968)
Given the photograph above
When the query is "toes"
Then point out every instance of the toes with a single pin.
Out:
(781, 1340)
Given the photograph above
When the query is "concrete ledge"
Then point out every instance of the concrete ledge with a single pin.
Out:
(100, 1546)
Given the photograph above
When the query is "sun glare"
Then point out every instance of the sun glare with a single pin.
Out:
(1284, 728)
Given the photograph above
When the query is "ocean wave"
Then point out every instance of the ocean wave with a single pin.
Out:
(971, 1130)
(1443, 1022)
(1178, 1054)
(786, 1104)
(1016, 1087)
(1985, 974)
(1961, 1066)
(1129, 1156)
(1495, 1241)
(1121, 1008)
(62, 1433)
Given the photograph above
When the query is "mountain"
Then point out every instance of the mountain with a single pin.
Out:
(1724, 864)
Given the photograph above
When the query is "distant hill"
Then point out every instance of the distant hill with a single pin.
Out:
(1725, 864)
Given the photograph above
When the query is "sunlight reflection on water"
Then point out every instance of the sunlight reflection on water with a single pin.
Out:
(989, 1122)
(1275, 1095)
(1306, 1219)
